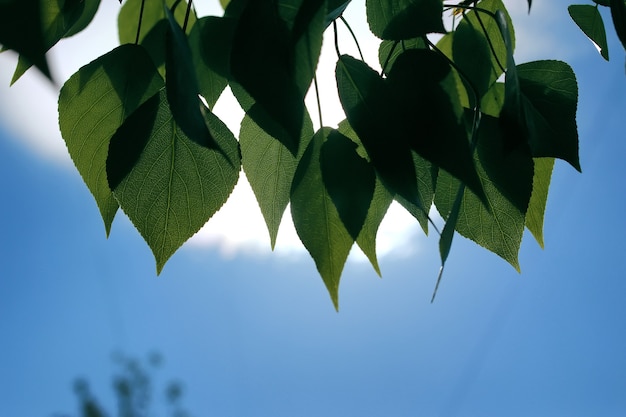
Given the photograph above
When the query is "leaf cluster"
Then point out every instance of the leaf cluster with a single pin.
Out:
(451, 121)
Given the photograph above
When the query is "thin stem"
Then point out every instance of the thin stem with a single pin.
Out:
(143, 2)
(319, 102)
(187, 16)
(353, 36)
(336, 39)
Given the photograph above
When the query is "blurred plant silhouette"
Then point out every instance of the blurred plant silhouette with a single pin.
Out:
(134, 389)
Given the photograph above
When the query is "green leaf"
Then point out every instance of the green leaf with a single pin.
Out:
(539, 197)
(270, 168)
(349, 180)
(370, 111)
(618, 14)
(388, 51)
(57, 18)
(181, 86)
(210, 83)
(589, 20)
(379, 205)
(506, 176)
(215, 43)
(89, 12)
(154, 26)
(274, 60)
(21, 30)
(404, 19)
(427, 110)
(549, 97)
(93, 103)
(426, 174)
(478, 31)
(603, 2)
(316, 219)
(168, 184)
(335, 9)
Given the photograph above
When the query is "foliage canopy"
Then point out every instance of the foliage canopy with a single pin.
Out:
(451, 120)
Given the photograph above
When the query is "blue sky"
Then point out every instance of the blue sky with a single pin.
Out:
(252, 334)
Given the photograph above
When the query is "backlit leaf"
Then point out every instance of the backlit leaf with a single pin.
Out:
(589, 20)
(270, 169)
(168, 184)
(316, 219)
(539, 197)
(506, 175)
(404, 19)
(93, 103)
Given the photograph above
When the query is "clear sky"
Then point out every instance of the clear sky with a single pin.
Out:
(255, 334)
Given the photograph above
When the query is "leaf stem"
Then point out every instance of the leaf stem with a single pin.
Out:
(319, 103)
(356, 41)
(336, 39)
(187, 16)
(143, 2)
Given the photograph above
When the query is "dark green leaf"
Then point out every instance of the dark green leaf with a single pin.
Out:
(539, 197)
(388, 51)
(154, 26)
(603, 2)
(87, 15)
(368, 106)
(349, 180)
(21, 30)
(506, 176)
(618, 13)
(274, 60)
(549, 97)
(426, 174)
(427, 110)
(404, 19)
(381, 201)
(335, 9)
(270, 169)
(93, 103)
(57, 18)
(589, 20)
(316, 219)
(205, 46)
(182, 88)
(168, 184)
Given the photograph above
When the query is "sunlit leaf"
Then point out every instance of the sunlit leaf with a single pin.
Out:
(539, 197)
(153, 12)
(270, 169)
(316, 219)
(168, 184)
(404, 19)
(93, 103)
(85, 18)
(589, 20)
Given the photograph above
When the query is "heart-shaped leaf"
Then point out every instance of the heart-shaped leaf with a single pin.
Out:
(93, 103)
(168, 184)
